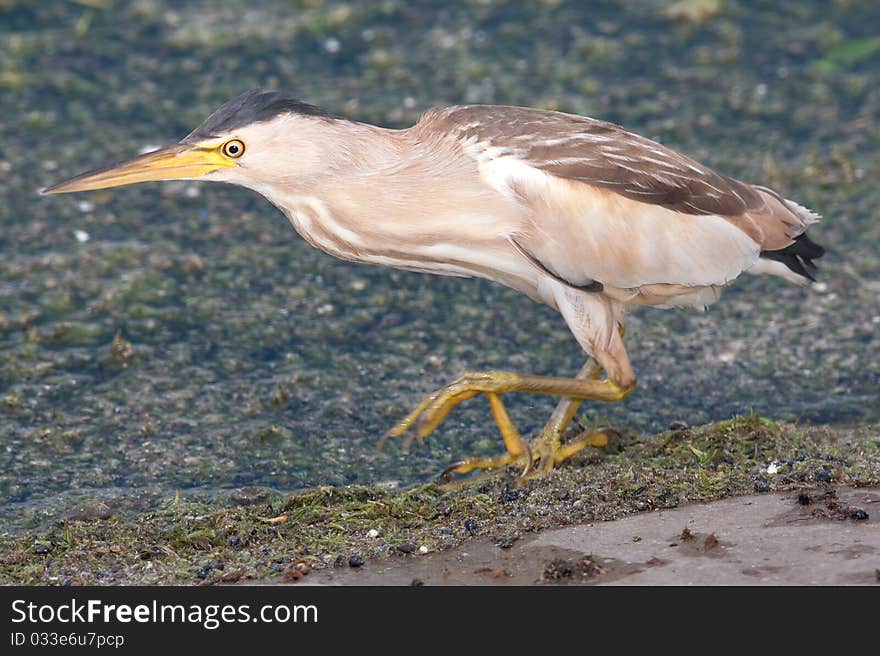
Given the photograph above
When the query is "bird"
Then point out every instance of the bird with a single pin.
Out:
(577, 213)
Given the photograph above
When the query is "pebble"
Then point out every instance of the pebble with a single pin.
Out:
(90, 512)
(761, 485)
(507, 541)
(508, 495)
(249, 496)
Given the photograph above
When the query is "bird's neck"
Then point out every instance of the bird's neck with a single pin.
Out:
(405, 199)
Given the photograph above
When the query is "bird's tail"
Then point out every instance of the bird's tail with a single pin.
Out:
(786, 250)
(797, 257)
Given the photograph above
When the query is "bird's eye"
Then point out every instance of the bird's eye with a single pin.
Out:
(233, 148)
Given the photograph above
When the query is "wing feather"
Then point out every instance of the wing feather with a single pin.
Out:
(604, 155)
(516, 146)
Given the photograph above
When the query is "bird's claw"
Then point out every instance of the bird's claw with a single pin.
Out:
(430, 413)
(463, 467)
(446, 474)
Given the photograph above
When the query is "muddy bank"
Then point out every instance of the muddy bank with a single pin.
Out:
(257, 534)
(807, 537)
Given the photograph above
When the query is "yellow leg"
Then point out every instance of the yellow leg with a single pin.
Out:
(549, 442)
(431, 412)
(592, 438)
(516, 449)
(401, 427)
(512, 439)
(563, 452)
(436, 406)
(547, 447)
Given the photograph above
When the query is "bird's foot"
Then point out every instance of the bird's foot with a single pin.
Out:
(518, 452)
(548, 451)
(538, 458)
(486, 464)
(434, 408)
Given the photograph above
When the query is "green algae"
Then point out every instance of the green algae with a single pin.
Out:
(848, 53)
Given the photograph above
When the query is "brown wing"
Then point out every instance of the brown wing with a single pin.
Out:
(604, 155)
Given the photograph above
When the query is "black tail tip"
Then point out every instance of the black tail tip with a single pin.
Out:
(798, 256)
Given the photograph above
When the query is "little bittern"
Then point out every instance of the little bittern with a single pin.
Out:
(577, 213)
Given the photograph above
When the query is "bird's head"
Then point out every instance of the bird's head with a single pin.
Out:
(265, 140)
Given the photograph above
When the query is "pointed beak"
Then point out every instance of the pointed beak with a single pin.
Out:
(176, 162)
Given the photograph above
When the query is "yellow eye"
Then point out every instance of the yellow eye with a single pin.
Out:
(233, 148)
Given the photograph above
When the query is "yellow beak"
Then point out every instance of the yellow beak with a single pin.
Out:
(176, 162)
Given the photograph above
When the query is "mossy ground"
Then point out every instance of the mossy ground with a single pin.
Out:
(272, 536)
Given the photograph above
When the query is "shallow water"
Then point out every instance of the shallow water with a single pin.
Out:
(245, 357)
